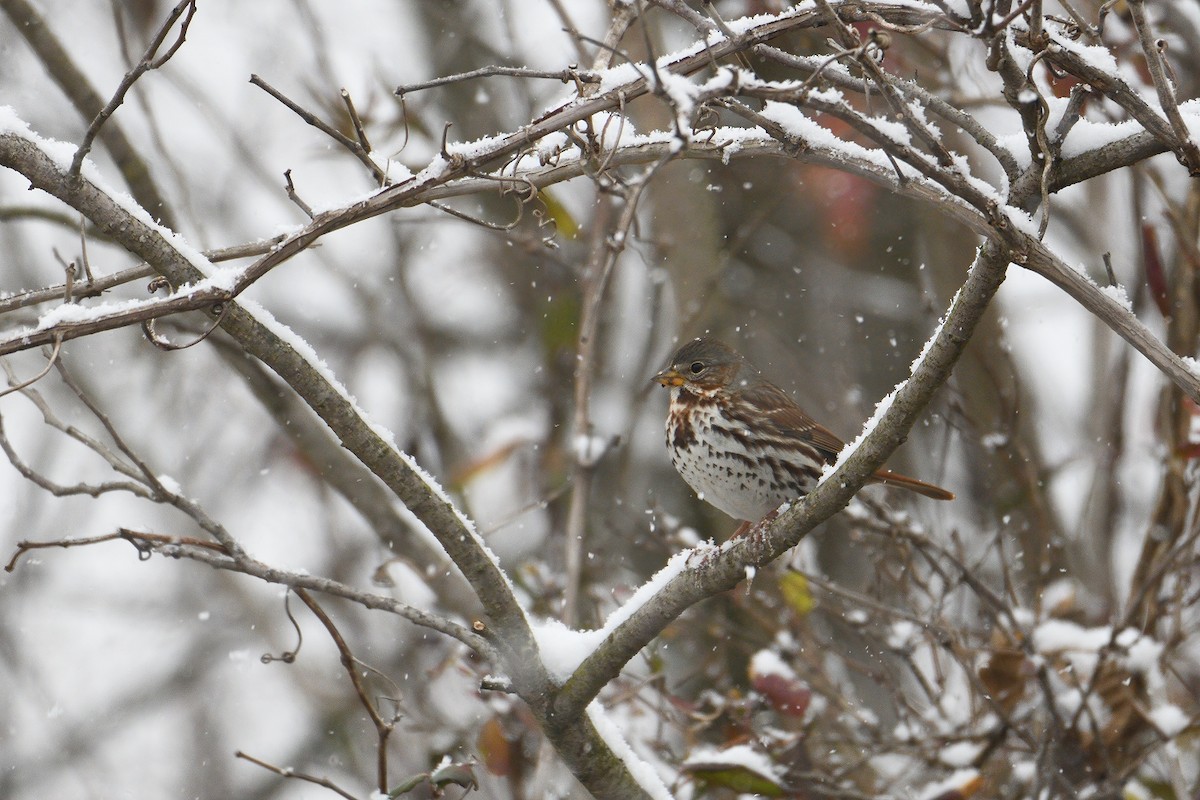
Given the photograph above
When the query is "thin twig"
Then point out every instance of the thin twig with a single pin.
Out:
(1021, 8)
(355, 120)
(383, 727)
(288, 772)
(69, 270)
(121, 316)
(588, 452)
(257, 569)
(142, 541)
(862, 52)
(1072, 113)
(83, 253)
(25, 546)
(215, 555)
(564, 75)
(63, 490)
(569, 27)
(152, 335)
(495, 226)
(97, 286)
(72, 432)
(290, 188)
(53, 357)
(1047, 149)
(148, 62)
(356, 149)
(1182, 143)
(287, 656)
(142, 471)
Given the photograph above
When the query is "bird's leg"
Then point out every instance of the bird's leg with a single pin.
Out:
(757, 528)
(758, 534)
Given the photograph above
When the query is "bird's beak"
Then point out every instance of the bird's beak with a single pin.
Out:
(669, 377)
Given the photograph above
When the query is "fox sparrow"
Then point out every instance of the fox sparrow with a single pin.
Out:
(741, 442)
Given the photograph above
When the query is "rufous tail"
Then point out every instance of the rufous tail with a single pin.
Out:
(890, 478)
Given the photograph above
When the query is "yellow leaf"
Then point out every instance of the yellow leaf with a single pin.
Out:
(796, 594)
(742, 780)
(564, 223)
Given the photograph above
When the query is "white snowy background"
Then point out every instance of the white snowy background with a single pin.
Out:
(124, 678)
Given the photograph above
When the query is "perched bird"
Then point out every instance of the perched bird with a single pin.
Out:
(741, 442)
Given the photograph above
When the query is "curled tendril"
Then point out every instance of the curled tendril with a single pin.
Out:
(218, 309)
(288, 656)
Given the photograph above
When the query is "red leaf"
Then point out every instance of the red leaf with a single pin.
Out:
(1191, 448)
(1156, 276)
(496, 749)
(786, 695)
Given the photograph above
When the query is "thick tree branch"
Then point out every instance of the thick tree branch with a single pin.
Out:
(1065, 57)
(580, 745)
(949, 187)
(1109, 157)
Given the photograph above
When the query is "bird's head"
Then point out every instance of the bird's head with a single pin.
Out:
(703, 366)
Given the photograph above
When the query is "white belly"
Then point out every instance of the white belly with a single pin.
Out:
(724, 475)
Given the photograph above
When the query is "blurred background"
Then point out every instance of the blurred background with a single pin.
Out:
(141, 679)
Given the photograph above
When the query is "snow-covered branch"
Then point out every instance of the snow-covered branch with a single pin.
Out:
(718, 572)
(747, 177)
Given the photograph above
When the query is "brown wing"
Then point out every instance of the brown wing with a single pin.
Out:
(779, 414)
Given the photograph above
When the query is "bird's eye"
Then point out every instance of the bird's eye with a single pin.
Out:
(697, 367)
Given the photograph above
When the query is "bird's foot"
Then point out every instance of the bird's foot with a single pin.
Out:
(757, 532)
(754, 528)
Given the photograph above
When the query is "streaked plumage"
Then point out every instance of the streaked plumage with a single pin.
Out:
(741, 442)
